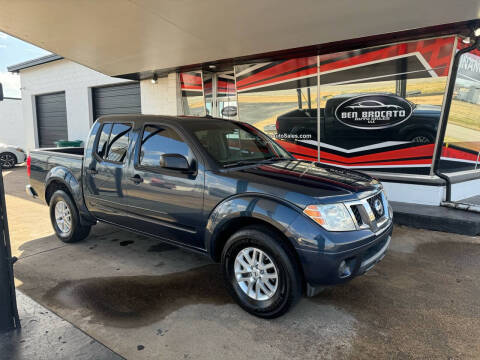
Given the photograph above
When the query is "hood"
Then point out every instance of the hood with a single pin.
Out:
(304, 182)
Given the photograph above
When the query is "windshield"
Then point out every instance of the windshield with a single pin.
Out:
(231, 143)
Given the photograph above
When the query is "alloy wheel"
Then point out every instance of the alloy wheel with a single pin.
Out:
(7, 161)
(256, 274)
(63, 217)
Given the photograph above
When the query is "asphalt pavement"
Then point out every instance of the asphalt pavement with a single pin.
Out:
(144, 299)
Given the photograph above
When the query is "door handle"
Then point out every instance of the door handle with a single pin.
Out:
(137, 179)
(92, 171)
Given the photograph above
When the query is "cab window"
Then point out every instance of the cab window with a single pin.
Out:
(103, 139)
(158, 140)
(113, 142)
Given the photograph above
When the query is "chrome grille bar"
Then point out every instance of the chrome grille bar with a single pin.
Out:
(368, 219)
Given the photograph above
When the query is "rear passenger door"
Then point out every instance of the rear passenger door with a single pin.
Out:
(105, 174)
(166, 202)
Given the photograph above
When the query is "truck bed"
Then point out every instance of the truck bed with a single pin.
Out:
(67, 150)
(44, 160)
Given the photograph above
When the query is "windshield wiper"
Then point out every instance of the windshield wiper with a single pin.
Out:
(254, 161)
(275, 158)
(242, 162)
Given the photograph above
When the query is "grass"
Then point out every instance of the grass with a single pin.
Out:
(465, 114)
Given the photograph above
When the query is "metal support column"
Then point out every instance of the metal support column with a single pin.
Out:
(8, 304)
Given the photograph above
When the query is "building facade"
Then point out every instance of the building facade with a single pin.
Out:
(60, 93)
(377, 109)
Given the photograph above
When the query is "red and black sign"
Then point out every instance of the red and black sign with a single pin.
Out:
(418, 59)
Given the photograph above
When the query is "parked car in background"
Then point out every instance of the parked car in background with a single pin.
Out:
(278, 225)
(11, 155)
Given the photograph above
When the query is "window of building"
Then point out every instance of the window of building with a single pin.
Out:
(378, 108)
(461, 147)
(193, 102)
(280, 98)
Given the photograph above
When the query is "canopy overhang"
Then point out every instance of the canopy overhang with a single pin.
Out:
(133, 38)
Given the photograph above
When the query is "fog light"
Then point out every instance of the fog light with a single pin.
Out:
(344, 269)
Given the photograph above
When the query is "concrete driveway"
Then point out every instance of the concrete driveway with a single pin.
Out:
(147, 300)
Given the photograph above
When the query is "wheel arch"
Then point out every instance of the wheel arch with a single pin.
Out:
(244, 210)
(61, 178)
(411, 130)
(230, 227)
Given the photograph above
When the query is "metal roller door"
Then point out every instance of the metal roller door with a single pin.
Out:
(116, 99)
(51, 119)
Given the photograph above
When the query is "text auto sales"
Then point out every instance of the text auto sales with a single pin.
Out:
(384, 115)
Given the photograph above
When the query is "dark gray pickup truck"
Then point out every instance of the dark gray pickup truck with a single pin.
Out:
(278, 225)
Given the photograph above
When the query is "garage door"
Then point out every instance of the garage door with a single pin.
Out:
(116, 99)
(51, 119)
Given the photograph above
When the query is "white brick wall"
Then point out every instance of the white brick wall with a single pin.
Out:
(77, 80)
(162, 98)
(12, 129)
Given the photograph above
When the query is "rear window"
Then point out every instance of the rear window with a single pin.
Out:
(103, 140)
(118, 143)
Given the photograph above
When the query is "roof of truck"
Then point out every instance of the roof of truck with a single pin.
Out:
(174, 118)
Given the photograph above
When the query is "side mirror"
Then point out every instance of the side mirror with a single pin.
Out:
(1, 92)
(174, 162)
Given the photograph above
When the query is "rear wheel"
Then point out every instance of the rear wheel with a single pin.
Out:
(66, 219)
(421, 138)
(260, 272)
(7, 160)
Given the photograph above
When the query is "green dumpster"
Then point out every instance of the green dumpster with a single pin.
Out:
(66, 143)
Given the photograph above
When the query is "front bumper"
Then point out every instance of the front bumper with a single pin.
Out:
(321, 268)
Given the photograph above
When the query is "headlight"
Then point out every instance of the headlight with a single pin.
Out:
(333, 217)
(20, 150)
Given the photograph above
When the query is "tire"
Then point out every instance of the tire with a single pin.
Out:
(7, 160)
(288, 289)
(69, 231)
(421, 138)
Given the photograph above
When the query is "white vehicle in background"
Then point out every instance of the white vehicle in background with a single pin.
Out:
(10, 156)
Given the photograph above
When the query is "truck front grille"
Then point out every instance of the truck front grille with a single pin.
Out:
(356, 213)
(369, 216)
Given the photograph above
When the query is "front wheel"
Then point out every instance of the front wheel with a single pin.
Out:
(66, 219)
(261, 273)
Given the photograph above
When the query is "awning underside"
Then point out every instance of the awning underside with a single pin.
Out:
(119, 37)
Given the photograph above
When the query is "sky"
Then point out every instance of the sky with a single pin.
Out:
(14, 51)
